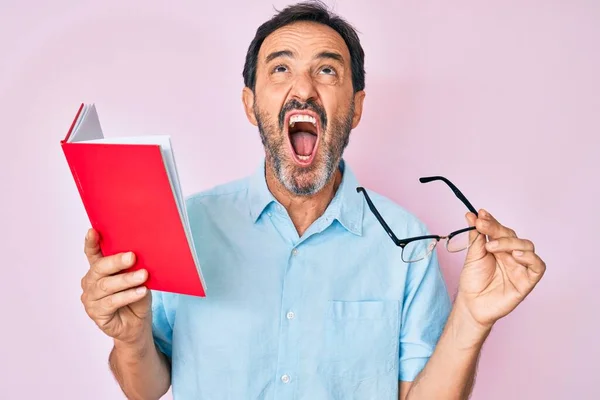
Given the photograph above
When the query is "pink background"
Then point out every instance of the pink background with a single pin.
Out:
(501, 97)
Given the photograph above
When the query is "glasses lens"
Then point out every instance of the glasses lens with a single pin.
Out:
(462, 241)
(418, 250)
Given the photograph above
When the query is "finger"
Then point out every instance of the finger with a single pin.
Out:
(489, 226)
(116, 283)
(509, 244)
(477, 241)
(108, 305)
(472, 221)
(536, 267)
(471, 218)
(143, 307)
(91, 246)
(112, 264)
(514, 267)
(515, 273)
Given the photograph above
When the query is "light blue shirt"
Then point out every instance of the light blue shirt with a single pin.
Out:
(334, 314)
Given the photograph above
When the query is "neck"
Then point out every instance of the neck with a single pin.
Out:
(303, 210)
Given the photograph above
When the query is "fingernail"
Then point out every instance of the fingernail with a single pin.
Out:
(127, 257)
(485, 214)
(518, 253)
(140, 290)
(139, 275)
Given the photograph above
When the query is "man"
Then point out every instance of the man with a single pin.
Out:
(308, 298)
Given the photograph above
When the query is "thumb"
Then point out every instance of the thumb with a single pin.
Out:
(477, 249)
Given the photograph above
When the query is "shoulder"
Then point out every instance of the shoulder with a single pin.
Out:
(225, 197)
(224, 191)
(224, 207)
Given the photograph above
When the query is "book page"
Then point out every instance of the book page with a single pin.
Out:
(87, 126)
(171, 166)
(169, 157)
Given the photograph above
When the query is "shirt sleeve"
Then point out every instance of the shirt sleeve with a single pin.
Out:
(424, 314)
(163, 316)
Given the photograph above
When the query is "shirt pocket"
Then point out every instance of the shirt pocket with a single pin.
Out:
(361, 339)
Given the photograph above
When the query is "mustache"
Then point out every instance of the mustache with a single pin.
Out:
(308, 105)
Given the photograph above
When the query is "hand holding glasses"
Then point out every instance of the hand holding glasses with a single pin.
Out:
(419, 247)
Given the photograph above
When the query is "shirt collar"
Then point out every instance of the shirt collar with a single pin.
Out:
(347, 206)
(259, 194)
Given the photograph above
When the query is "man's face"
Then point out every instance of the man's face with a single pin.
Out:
(304, 104)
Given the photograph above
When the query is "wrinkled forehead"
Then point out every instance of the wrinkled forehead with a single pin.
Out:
(304, 40)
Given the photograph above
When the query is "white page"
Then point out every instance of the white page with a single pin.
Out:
(170, 164)
(87, 126)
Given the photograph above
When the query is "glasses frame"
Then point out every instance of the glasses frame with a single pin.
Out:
(402, 243)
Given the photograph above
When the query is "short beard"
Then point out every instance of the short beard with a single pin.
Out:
(334, 139)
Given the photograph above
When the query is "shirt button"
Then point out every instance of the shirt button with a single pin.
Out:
(269, 214)
(285, 379)
(290, 315)
(295, 252)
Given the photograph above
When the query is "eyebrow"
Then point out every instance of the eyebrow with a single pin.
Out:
(280, 53)
(322, 55)
(331, 56)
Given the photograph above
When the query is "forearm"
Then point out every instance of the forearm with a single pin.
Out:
(450, 372)
(141, 370)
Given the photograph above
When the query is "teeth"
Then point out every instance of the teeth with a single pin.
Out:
(303, 158)
(302, 118)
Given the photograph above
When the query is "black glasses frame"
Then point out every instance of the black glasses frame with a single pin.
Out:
(402, 243)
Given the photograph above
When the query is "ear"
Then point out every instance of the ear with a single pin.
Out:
(359, 98)
(248, 100)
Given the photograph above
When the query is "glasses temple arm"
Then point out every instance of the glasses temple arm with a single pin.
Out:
(378, 216)
(457, 192)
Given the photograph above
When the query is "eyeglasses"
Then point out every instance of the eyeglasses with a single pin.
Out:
(419, 247)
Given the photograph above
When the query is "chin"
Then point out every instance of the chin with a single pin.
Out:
(304, 180)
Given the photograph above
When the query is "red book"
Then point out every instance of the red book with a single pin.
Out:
(131, 194)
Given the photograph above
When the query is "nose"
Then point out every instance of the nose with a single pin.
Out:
(303, 88)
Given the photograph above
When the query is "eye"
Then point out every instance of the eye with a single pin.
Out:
(327, 70)
(280, 68)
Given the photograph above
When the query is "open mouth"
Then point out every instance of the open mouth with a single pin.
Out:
(303, 132)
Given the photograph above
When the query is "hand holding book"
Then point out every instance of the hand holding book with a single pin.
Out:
(117, 301)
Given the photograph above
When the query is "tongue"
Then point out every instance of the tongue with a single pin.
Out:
(303, 143)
